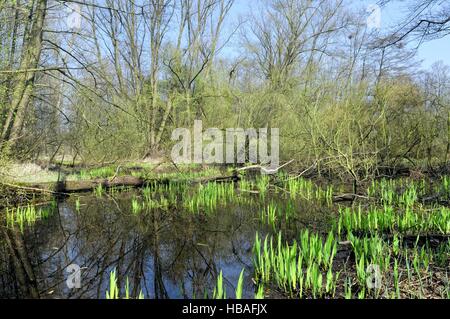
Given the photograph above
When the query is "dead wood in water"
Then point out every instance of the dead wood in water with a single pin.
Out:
(348, 197)
(64, 187)
(28, 188)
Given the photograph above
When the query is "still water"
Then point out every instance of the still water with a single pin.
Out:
(168, 253)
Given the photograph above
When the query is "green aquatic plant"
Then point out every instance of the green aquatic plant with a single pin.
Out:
(397, 192)
(297, 267)
(389, 220)
(348, 288)
(77, 204)
(447, 287)
(240, 285)
(259, 292)
(99, 190)
(396, 278)
(136, 206)
(208, 197)
(262, 184)
(269, 215)
(370, 251)
(329, 195)
(27, 215)
(306, 189)
(302, 187)
(245, 185)
(220, 290)
(113, 291)
(101, 172)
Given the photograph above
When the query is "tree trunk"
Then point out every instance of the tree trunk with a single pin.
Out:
(24, 81)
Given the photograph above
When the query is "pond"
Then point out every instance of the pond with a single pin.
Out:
(170, 241)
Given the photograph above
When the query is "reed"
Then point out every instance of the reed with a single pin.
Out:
(308, 190)
(240, 285)
(389, 220)
(262, 184)
(113, 291)
(77, 204)
(269, 215)
(209, 196)
(26, 216)
(136, 206)
(99, 190)
(259, 292)
(398, 192)
(220, 290)
(299, 267)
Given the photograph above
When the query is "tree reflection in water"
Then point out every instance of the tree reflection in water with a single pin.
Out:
(166, 254)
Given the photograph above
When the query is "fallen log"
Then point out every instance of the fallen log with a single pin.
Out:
(348, 197)
(64, 187)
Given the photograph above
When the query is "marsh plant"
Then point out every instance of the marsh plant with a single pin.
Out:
(77, 204)
(99, 190)
(208, 197)
(220, 291)
(389, 219)
(299, 269)
(26, 216)
(114, 291)
(306, 189)
(392, 230)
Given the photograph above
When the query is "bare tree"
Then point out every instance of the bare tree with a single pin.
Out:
(425, 20)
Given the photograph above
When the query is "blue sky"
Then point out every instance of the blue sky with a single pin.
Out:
(434, 51)
(429, 52)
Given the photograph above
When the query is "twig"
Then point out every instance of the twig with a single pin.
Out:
(30, 188)
(265, 170)
(115, 174)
